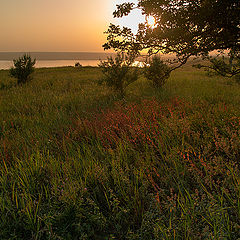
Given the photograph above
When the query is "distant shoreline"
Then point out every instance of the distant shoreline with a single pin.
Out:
(9, 56)
(6, 64)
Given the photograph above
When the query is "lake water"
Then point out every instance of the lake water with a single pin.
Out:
(60, 63)
(53, 63)
(55, 59)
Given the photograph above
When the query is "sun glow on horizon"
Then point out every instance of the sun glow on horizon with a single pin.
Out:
(73, 26)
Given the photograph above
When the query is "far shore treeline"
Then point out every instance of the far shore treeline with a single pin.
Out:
(9, 56)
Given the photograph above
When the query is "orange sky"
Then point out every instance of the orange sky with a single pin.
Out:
(57, 25)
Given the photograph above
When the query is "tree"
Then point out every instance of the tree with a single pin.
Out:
(23, 68)
(183, 27)
(226, 65)
(118, 72)
(157, 71)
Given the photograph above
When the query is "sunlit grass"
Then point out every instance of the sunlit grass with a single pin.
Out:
(77, 162)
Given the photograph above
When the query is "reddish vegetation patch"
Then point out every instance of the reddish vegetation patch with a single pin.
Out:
(156, 125)
(201, 140)
(133, 123)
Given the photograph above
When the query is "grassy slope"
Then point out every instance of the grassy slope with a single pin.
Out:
(60, 180)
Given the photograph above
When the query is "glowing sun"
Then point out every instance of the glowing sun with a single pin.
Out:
(151, 21)
(134, 18)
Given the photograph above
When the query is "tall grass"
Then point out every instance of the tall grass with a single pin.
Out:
(78, 163)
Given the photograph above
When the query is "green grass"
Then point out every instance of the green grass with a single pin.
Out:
(77, 162)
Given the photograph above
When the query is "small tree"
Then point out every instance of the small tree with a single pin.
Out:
(224, 64)
(77, 64)
(118, 72)
(182, 27)
(23, 68)
(157, 71)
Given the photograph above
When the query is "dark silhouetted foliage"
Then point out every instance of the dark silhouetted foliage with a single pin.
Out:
(184, 28)
(226, 65)
(23, 68)
(157, 71)
(118, 72)
(77, 64)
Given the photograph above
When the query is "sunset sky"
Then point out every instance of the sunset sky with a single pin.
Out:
(58, 25)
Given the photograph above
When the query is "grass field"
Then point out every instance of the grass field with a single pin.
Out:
(77, 162)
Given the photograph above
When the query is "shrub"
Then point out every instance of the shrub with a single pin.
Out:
(226, 64)
(77, 64)
(118, 72)
(23, 68)
(156, 71)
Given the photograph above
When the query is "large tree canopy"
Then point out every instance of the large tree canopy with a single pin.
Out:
(183, 27)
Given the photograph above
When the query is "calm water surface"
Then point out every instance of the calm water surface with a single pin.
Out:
(59, 63)
(57, 59)
(53, 63)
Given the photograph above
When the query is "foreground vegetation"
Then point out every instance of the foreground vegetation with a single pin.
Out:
(76, 162)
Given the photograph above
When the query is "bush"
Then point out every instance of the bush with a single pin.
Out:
(23, 68)
(77, 64)
(226, 64)
(156, 71)
(118, 72)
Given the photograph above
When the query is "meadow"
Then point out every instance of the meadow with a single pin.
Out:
(78, 162)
